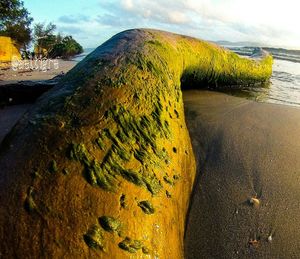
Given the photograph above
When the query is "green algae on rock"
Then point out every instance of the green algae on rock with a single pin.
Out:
(113, 121)
(109, 223)
(146, 207)
(132, 246)
(94, 238)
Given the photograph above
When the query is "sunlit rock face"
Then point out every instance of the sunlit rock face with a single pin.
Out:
(102, 166)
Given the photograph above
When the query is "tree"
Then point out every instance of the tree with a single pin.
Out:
(65, 47)
(15, 22)
(44, 37)
(49, 44)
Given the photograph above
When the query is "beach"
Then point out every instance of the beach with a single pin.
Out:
(29, 70)
(11, 114)
(245, 198)
(244, 150)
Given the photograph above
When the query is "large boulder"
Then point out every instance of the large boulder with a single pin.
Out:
(102, 166)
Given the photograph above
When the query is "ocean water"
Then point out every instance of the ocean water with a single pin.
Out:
(81, 56)
(284, 87)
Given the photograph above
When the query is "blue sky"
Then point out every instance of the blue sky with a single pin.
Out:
(91, 22)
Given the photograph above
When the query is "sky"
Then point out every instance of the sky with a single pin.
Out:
(92, 22)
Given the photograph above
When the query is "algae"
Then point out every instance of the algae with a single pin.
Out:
(145, 250)
(109, 224)
(53, 167)
(94, 238)
(130, 245)
(123, 201)
(146, 207)
(29, 203)
(168, 180)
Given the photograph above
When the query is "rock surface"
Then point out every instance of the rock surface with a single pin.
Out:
(110, 142)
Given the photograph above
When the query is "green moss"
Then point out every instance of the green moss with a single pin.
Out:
(29, 203)
(152, 183)
(176, 177)
(78, 152)
(35, 175)
(152, 76)
(146, 207)
(100, 143)
(132, 177)
(123, 201)
(168, 180)
(93, 172)
(109, 224)
(65, 171)
(53, 167)
(94, 238)
(176, 113)
(145, 250)
(168, 194)
(131, 246)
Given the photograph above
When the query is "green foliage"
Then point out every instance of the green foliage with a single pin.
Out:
(67, 48)
(15, 22)
(48, 44)
(44, 37)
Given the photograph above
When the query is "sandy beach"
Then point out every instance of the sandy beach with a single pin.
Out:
(11, 114)
(244, 150)
(22, 72)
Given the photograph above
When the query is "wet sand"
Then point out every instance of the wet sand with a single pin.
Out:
(244, 150)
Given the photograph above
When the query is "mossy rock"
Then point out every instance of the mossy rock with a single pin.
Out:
(112, 123)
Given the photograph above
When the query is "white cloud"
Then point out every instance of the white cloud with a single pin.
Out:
(268, 22)
(127, 4)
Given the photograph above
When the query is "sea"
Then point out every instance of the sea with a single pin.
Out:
(284, 86)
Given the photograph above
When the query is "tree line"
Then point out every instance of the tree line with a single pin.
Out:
(16, 22)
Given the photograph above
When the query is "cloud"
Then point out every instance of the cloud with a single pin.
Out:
(268, 22)
(70, 29)
(73, 19)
